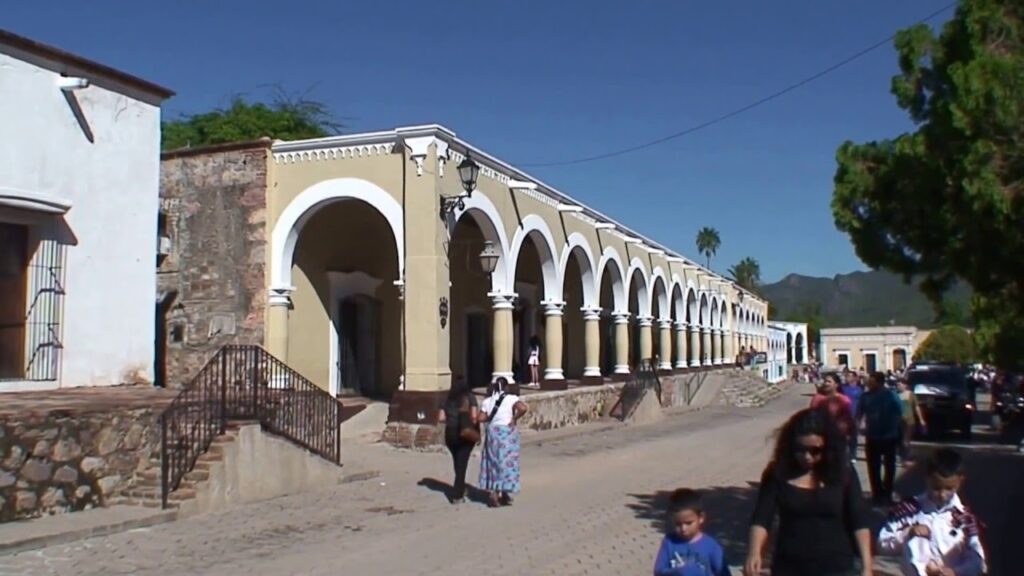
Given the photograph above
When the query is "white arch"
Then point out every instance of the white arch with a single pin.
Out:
(677, 293)
(642, 300)
(716, 311)
(286, 231)
(704, 309)
(660, 296)
(591, 283)
(486, 215)
(610, 255)
(535, 226)
(692, 302)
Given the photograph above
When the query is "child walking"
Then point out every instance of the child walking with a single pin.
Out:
(934, 532)
(686, 550)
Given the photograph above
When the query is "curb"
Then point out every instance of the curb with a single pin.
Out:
(42, 541)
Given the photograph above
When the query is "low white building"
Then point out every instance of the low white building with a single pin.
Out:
(79, 180)
(797, 347)
(777, 368)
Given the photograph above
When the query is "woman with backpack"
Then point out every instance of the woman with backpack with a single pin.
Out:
(499, 464)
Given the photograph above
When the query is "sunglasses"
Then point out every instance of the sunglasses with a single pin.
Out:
(809, 450)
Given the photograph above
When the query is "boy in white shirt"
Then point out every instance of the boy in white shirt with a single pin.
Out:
(935, 532)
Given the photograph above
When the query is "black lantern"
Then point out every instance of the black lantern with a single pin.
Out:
(488, 258)
(468, 173)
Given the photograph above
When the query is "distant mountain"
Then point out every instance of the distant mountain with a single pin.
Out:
(873, 298)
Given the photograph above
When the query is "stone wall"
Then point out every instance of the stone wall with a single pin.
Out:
(213, 211)
(550, 410)
(64, 459)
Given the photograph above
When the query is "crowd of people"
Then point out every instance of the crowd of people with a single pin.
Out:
(809, 491)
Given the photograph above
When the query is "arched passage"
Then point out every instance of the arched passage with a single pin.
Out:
(661, 312)
(705, 325)
(343, 268)
(693, 324)
(640, 315)
(578, 293)
(790, 352)
(535, 279)
(613, 304)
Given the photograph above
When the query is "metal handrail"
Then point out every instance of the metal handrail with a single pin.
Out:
(245, 382)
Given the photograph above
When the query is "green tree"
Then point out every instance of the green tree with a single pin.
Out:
(284, 119)
(947, 200)
(947, 344)
(708, 243)
(746, 273)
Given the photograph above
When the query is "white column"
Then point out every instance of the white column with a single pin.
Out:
(501, 304)
(592, 341)
(665, 344)
(682, 360)
(621, 320)
(553, 340)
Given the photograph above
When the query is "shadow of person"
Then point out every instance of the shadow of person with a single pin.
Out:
(473, 494)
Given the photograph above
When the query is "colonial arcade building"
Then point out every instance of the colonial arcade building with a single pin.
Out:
(396, 261)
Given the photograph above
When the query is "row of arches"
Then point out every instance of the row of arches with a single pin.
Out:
(338, 256)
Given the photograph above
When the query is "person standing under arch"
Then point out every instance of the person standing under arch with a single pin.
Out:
(534, 361)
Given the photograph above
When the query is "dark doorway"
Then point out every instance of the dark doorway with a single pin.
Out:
(478, 350)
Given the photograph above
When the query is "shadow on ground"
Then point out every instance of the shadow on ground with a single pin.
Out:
(473, 494)
(728, 515)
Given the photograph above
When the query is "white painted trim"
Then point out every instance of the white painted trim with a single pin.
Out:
(589, 277)
(342, 285)
(610, 254)
(33, 201)
(286, 231)
(642, 295)
(28, 385)
(662, 299)
(488, 218)
(533, 223)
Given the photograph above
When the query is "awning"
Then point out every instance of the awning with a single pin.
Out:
(34, 201)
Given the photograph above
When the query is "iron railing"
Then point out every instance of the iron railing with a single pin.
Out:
(244, 382)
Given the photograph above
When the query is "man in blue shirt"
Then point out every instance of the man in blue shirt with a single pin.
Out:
(882, 411)
(852, 389)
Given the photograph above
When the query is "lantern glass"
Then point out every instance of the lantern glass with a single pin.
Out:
(488, 258)
(468, 173)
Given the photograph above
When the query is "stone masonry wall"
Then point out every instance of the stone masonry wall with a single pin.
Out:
(58, 462)
(213, 201)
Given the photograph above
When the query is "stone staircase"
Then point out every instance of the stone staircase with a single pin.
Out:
(747, 390)
(145, 490)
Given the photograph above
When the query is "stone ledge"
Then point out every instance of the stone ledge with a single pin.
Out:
(51, 530)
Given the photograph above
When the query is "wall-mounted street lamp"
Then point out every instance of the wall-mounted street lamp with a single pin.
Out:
(489, 258)
(469, 171)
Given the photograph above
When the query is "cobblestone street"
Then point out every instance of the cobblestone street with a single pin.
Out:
(591, 504)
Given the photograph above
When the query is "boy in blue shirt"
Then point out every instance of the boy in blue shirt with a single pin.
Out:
(686, 550)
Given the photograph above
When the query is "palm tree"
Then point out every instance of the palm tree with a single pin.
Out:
(747, 273)
(708, 242)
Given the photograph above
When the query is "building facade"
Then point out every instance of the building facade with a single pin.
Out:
(797, 349)
(875, 348)
(777, 368)
(78, 202)
(386, 277)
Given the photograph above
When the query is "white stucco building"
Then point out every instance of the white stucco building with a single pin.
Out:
(797, 347)
(777, 368)
(79, 178)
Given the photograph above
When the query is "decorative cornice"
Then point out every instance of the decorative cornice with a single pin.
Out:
(334, 153)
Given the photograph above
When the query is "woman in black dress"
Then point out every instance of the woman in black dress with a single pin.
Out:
(459, 413)
(812, 488)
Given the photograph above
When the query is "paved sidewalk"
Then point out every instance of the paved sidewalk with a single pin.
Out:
(63, 528)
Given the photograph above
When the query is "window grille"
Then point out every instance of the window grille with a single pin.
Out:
(45, 311)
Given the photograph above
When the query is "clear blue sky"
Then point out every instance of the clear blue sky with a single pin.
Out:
(548, 80)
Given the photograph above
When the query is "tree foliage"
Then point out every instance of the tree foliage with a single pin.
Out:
(747, 273)
(947, 200)
(708, 242)
(947, 344)
(284, 118)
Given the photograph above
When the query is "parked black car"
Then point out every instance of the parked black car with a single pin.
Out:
(946, 396)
